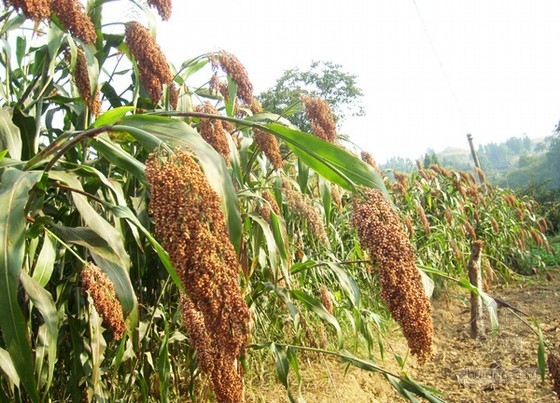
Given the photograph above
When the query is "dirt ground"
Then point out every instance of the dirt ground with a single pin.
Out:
(501, 367)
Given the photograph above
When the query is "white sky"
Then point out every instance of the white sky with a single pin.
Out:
(499, 75)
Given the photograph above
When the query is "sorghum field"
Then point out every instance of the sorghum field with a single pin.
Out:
(163, 240)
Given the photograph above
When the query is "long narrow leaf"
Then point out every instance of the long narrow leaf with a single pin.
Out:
(14, 188)
(43, 301)
(317, 307)
(329, 160)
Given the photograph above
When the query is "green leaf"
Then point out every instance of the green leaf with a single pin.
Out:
(282, 367)
(10, 137)
(164, 369)
(282, 364)
(98, 346)
(112, 116)
(14, 188)
(317, 307)
(117, 156)
(28, 133)
(329, 160)
(270, 242)
(43, 301)
(541, 352)
(45, 261)
(153, 130)
(8, 367)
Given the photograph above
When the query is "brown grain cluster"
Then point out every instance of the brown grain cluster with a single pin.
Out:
(36, 10)
(81, 78)
(320, 116)
(326, 298)
(269, 146)
(74, 19)
(368, 159)
(231, 65)
(153, 69)
(196, 238)
(380, 233)
(301, 204)
(102, 291)
(554, 369)
(173, 95)
(163, 8)
(212, 130)
(269, 206)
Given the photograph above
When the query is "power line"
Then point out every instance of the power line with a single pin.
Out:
(436, 55)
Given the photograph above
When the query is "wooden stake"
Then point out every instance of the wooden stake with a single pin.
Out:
(475, 277)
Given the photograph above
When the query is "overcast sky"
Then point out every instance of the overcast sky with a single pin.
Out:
(432, 71)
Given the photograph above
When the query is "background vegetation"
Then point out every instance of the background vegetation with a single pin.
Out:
(82, 108)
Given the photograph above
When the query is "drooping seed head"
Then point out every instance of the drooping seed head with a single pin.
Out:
(74, 19)
(320, 116)
(212, 130)
(36, 10)
(163, 8)
(153, 69)
(380, 233)
(198, 244)
(102, 291)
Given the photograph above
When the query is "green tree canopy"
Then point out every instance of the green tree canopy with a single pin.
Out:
(326, 80)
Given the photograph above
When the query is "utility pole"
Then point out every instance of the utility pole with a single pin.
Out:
(475, 158)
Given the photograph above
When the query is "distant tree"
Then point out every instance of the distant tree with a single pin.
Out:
(322, 79)
(497, 155)
(553, 158)
(430, 158)
(399, 164)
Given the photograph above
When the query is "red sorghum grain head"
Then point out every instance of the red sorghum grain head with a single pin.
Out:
(163, 8)
(102, 291)
(301, 204)
(153, 69)
(270, 147)
(36, 10)
(368, 159)
(73, 18)
(381, 233)
(83, 83)
(233, 67)
(326, 298)
(198, 244)
(321, 117)
(212, 130)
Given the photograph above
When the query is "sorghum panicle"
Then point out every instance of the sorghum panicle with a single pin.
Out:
(321, 117)
(233, 67)
(301, 204)
(198, 245)
(326, 299)
(73, 18)
(163, 8)
(102, 291)
(380, 232)
(368, 159)
(270, 147)
(36, 10)
(213, 131)
(81, 78)
(153, 69)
